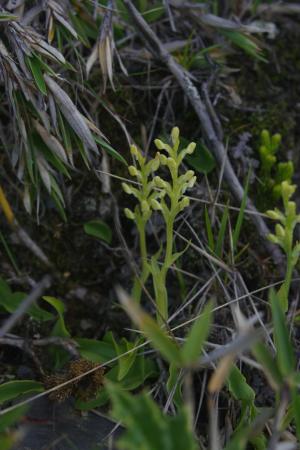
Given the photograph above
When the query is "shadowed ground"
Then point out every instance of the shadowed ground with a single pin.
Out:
(53, 426)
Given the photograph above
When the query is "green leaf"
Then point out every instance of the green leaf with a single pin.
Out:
(191, 349)
(37, 73)
(60, 327)
(246, 43)
(110, 150)
(154, 14)
(5, 290)
(13, 389)
(12, 300)
(239, 387)
(6, 16)
(221, 234)
(125, 361)
(285, 355)
(160, 340)
(122, 10)
(296, 410)
(174, 383)
(147, 427)
(201, 160)
(96, 351)
(8, 440)
(98, 229)
(11, 417)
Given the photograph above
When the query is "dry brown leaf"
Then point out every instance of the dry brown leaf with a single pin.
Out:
(51, 142)
(71, 113)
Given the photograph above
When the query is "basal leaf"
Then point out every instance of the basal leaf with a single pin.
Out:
(285, 355)
(98, 229)
(191, 349)
(13, 389)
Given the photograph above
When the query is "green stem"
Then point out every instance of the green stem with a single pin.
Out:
(283, 292)
(161, 293)
(141, 280)
(161, 298)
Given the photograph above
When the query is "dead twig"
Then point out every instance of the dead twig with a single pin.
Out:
(25, 344)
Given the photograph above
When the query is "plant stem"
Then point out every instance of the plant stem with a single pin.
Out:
(283, 292)
(141, 280)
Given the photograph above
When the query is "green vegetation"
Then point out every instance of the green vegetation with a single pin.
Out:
(272, 173)
(172, 309)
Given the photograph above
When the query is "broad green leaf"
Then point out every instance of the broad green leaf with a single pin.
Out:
(11, 417)
(125, 361)
(37, 73)
(12, 300)
(60, 327)
(13, 389)
(192, 348)
(158, 337)
(110, 150)
(239, 387)
(96, 351)
(5, 290)
(201, 160)
(98, 229)
(147, 427)
(285, 355)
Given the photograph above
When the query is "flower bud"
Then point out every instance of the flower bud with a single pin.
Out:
(189, 174)
(192, 182)
(175, 135)
(265, 137)
(171, 164)
(156, 205)
(163, 159)
(184, 203)
(280, 232)
(291, 209)
(159, 144)
(134, 151)
(190, 148)
(287, 190)
(153, 165)
(159, 182)
(144, 206)
(276, 139)
(273, 214)
(126, 188)
(129, 214)
(133, 171)
(273, 238)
